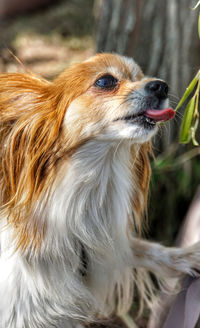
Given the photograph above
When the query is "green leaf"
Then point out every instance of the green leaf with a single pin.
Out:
(195, 7)
(188, 91)
(193, 132)
(194, 141)
(185, 134)
(199, 26)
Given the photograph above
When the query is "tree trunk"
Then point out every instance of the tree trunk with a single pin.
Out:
(160, 35)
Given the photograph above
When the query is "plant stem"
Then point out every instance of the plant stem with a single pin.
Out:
(126, 318)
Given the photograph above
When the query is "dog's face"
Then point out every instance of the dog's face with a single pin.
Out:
(115, 101)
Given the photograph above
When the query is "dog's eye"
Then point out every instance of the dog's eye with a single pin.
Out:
(106, 82)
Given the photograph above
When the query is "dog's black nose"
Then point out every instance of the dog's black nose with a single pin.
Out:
(157, 88)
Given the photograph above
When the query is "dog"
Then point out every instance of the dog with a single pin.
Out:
(74, 177)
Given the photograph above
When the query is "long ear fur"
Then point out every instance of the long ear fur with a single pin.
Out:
(31, 141)
(30, 123)
(141, 171)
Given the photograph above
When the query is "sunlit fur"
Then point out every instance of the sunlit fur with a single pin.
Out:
(74, 185)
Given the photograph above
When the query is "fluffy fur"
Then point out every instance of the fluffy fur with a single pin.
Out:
(74, 179)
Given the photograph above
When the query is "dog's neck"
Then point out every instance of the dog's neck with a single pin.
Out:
(93, 198)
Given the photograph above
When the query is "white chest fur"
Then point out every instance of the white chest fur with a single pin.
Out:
(89, 208)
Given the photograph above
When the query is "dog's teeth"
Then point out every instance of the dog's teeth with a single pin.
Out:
(150, 120)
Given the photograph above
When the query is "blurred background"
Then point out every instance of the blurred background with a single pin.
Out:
(47, 36)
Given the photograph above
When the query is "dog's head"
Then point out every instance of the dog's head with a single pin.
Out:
(42, 123)
(111, 99)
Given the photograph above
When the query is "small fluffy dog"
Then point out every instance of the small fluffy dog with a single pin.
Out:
(74, 175)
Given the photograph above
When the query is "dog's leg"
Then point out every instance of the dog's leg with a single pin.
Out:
(166, 261)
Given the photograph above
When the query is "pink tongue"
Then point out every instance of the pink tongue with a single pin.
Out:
(160, 115)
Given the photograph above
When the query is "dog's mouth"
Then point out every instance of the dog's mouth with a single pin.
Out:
(160, 115)
(150, 116)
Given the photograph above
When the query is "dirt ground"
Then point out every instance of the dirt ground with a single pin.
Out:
(47, 40)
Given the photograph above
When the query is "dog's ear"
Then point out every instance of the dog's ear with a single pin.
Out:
(30, 128)
(33, 140)
(141, 172)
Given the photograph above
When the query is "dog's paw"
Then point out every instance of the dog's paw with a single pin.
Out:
(188, 260)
